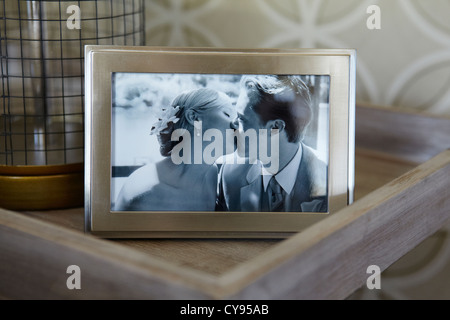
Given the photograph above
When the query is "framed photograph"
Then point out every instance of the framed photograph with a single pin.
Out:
(216, 143)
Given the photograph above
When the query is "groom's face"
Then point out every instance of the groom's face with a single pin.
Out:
(248, 118)
(250, 123)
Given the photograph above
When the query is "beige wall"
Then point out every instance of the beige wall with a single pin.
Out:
(405, 64)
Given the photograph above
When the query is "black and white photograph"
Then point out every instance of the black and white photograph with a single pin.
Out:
(219, 142)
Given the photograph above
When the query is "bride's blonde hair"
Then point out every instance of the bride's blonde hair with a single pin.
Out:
(199, 101)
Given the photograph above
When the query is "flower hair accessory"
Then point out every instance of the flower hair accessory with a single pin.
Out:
(169, 115)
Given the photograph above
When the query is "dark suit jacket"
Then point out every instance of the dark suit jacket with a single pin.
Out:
(241, 188)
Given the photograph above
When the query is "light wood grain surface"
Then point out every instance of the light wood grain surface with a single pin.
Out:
(35, 256)
(402, 134)
(218, 256)
(327, 260)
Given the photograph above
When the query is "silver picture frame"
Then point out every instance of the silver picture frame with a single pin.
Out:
(110, 69)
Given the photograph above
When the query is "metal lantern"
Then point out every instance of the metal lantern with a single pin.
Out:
(42, 101)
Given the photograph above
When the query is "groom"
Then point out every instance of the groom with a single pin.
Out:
(279, 105)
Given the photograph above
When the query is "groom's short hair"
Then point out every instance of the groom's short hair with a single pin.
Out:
(281, 97)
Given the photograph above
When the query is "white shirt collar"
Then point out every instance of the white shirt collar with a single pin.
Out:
(287, 176)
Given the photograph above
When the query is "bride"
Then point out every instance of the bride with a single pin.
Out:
(187, 186)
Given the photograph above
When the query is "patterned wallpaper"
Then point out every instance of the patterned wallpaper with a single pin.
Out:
(405, 63)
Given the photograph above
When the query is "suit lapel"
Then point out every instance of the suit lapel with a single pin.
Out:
(308, 194)
(251, 193)
(310, 188)
(301, 191)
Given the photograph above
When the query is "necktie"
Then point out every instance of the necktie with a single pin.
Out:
(276, 203)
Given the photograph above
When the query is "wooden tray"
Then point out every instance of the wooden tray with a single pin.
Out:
(403, 196)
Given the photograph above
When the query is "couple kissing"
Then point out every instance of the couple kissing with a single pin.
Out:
(269, 118)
